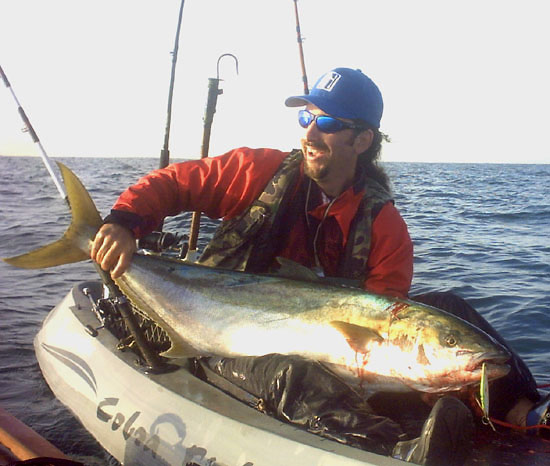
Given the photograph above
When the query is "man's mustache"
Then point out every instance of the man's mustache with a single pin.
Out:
(314, 145)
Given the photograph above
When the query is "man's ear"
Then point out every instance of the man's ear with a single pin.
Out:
(363, 140)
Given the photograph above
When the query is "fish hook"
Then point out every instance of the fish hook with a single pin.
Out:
(227, 55)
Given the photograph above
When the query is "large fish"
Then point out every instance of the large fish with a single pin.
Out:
(394, 344)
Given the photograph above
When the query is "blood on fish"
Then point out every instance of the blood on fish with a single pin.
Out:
(395, 308)
(360, 364)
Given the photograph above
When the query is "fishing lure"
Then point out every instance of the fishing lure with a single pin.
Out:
(483, 400)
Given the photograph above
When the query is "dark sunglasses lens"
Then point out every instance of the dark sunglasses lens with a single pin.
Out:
(304, 118)
(328, 124)
(325, 123)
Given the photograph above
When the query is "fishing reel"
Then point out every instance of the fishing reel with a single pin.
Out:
(160, 241)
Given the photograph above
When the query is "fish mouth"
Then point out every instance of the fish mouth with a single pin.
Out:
(495, 364)
(495, 371)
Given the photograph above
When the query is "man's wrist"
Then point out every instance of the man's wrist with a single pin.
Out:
(128, 220)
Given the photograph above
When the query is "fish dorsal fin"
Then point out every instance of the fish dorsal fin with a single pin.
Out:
(356, 335)
(291, 269)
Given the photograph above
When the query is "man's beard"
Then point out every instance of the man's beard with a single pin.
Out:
(315, 170)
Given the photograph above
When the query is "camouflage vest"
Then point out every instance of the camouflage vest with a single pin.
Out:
(251, 240)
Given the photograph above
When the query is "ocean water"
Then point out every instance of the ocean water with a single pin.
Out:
(479, 230)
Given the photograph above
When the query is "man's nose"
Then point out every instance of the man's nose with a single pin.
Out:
(312, 131)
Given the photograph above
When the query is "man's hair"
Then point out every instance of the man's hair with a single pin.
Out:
(370, 159)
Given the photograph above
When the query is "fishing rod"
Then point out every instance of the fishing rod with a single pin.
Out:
(32, 132)
(213, 92)
(301, 48)
(165, 152)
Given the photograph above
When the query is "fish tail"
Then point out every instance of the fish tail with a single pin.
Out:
(75, 244)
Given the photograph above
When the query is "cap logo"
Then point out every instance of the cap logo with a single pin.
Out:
(328, 81)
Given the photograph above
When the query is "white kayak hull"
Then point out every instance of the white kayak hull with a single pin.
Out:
(166, 419)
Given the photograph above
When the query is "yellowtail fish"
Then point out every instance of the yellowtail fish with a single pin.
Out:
(387, 343)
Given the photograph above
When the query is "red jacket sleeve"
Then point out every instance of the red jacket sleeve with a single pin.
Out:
(390, 261)
(218, 187)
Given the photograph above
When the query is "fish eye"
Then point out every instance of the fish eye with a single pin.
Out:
(451, 340)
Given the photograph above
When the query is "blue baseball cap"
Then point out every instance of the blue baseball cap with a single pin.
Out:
(344, 93)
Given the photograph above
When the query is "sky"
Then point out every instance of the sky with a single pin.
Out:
(462, 81)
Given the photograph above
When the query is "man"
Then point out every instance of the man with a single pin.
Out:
(226, 187)
(328, 207)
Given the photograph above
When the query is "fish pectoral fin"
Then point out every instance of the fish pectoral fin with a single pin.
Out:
(356, 335)
(290, 269)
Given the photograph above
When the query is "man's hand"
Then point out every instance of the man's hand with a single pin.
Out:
(113, 248)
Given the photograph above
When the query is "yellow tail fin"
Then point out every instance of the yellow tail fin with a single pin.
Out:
(74, 246)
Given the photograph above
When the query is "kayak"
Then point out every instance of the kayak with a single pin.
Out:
(18, 442)
(145, 418)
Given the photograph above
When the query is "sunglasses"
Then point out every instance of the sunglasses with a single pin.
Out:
(325, 123)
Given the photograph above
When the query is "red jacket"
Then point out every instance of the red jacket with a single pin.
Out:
(225, 186)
